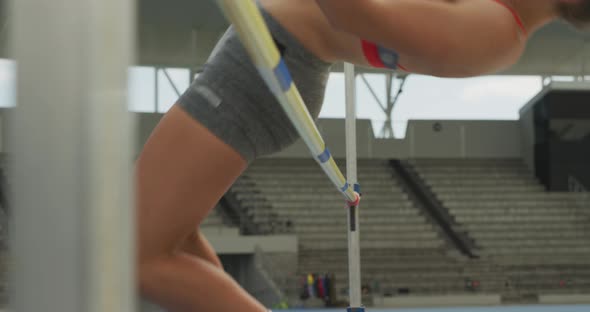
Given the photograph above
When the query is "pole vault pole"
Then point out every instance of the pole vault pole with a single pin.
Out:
(354, 259)
(259, 44)
(257, 40)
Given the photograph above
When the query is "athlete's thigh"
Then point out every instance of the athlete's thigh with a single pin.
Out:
(180, 175)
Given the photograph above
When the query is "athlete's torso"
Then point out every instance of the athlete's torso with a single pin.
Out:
(307, 22)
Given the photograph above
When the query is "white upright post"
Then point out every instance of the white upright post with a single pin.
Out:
(354, 261)
(70, 152)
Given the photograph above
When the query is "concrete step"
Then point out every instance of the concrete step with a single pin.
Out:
(476, 189)
(402, 258)
(546, 243)
(504, 162)
(369, 200)
(301, 162)
(415, 287)
(324, 197)
(364, 221)
(379, 266)
(308, 176)
(338, 244)
(474, 172)
(481, 182)
(314, 174)
(515, 210)
(334, 206)
(538, 251)
(532, 283)
(313, 211)
(220, 231)
(376, 274)
(540, 260)
(370, 184)
(368, 235)
(525, 219)
(306, 163)
(304, 190)
(468, 163)
(392, 253)
(515, 234)
(551, 271)
(512, 197)
(404, 208)
(517, 213)
(337, 228)
(329, 205)
(498, 176)
(368, 212)
(527, 203)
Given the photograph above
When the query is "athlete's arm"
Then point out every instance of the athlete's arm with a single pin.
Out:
(451, 38)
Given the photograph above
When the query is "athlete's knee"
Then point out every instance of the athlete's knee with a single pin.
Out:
(148, 274)
(197, 245)
(151, 259)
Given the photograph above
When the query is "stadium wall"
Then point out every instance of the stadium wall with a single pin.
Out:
(424, 139)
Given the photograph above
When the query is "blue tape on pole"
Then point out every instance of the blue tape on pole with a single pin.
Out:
(345, 187)
(283, 75)
(355, 310)
(325, 156)
(357, 188)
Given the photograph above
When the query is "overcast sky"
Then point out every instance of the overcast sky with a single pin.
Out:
(495, 97)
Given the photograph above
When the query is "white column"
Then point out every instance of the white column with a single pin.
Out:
(463, 133)
(354, 257)
(71, 163)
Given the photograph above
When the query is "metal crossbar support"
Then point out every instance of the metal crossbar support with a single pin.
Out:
(354, 261)
(256, 38)
(70, 142)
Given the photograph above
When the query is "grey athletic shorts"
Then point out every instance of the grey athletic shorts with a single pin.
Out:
(230, 98)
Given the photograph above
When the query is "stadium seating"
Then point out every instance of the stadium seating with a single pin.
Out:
(530, 241)
(401, 250)
(539, 239)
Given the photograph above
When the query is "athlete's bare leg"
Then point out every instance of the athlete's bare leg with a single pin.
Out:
(180, 176)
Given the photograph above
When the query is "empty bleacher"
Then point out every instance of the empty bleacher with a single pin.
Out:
(529, 240)
(540, 240)
(400, 249)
